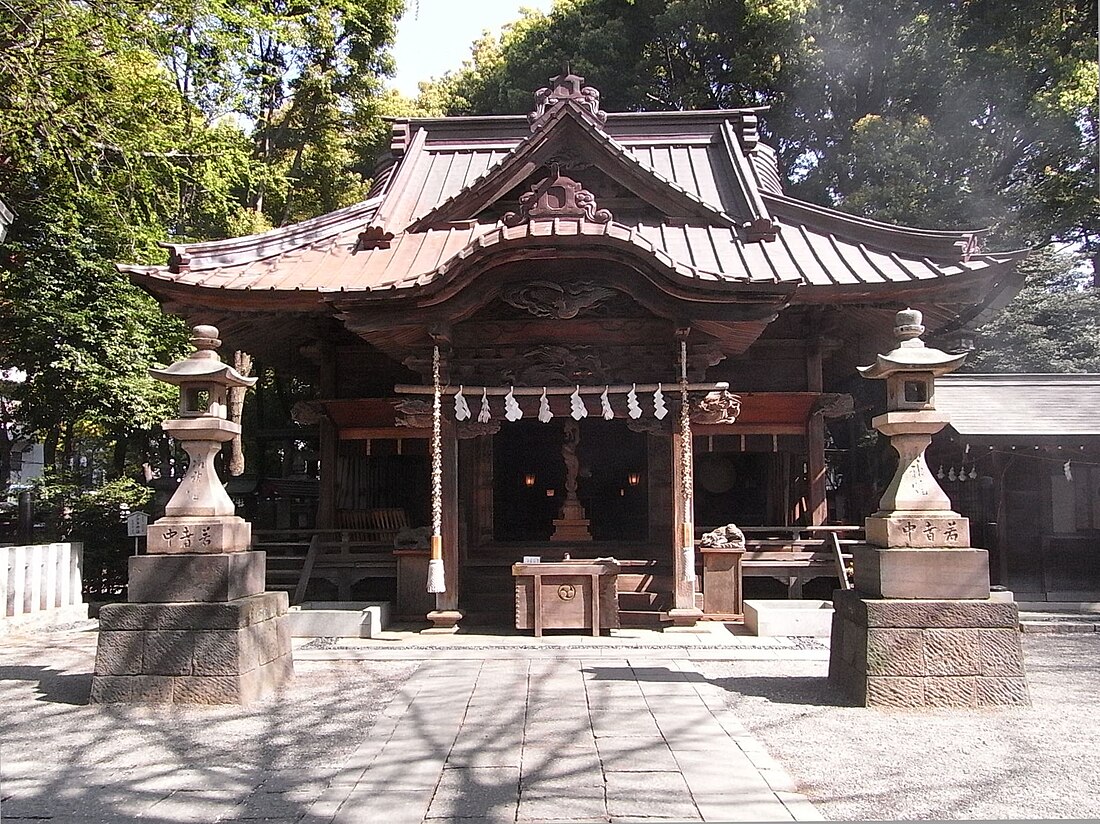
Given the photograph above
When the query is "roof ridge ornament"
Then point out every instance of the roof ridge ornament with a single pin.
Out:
(557, 195)
(566, 86)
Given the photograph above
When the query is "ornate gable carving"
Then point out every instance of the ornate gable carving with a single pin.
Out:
(374, 237)
(566, 86)
(561, 301)
(557, 195)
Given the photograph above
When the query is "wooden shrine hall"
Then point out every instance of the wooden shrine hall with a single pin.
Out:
(574, 334)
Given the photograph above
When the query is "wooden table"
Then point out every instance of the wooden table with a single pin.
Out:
(575, 594)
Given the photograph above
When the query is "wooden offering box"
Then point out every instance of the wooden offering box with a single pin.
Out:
(575, 594)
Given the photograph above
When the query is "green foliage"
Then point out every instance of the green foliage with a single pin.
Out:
(643, 54)
(1052, 325)
(950, 115)
(96, 518)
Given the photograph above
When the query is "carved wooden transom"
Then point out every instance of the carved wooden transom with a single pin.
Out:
(560, 301)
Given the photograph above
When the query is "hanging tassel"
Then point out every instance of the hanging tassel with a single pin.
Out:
(1067, 472)
(512, 411)
(973, 473)
(576, 405)
(940, 473)
(545, 415)
(605, 406)
(659, 407)
(462, 409)
(632, 407)
(436, 579)
(486, 414)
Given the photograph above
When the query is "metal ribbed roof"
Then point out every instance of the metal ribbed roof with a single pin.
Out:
(709, 168)
(1027, 404)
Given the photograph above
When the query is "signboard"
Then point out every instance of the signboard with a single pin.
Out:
(137, 525)
(532, 559)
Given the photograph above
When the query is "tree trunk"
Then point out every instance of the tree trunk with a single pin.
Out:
(242, 362)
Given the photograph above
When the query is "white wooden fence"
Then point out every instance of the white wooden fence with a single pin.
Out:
(41, 581)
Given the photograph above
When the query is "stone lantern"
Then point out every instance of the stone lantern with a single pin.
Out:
(199, 517)
(914, 511)
(920, 627)
(198, 626)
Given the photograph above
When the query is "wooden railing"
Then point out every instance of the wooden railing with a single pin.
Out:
(341, 556)
(797, 554)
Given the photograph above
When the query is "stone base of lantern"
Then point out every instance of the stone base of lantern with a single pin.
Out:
(932, 572)
(918, 529)
(927, 653)
(156, 579)
(193, 653)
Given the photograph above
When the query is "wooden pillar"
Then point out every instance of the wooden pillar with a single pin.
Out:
(329, 444)
(1000, 472)
(818, 507)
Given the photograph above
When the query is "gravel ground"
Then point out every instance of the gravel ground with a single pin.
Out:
(871, 764)
(63, 760)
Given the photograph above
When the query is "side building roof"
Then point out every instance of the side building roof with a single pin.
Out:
(1022, 405)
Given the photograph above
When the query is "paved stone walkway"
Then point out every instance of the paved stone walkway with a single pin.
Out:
(557, 738)
(411, 728)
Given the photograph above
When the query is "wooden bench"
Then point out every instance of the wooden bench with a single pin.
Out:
(785, 554)
(346, 557)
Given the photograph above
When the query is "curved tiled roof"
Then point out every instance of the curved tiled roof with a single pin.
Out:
(726, 221)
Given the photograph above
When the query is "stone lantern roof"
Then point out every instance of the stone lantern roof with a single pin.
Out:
(203, 364)
(911, 354)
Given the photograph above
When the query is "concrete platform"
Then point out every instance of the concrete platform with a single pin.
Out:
(789, 617)
(338, 619)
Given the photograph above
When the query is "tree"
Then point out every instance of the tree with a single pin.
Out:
(1052, 325)
(123, 125)
(981, 113)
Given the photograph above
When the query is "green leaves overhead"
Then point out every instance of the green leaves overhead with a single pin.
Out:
(126, 124)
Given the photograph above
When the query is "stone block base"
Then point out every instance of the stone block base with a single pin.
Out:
(685, 620)
(197, 653)
(444, 622)
(158, 579)
(915, 528)
(190, 534)
(901, 572)
(930, 653)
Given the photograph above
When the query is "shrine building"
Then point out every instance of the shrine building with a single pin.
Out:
(566, 278)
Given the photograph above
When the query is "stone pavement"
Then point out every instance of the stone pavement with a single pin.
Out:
(467, 728)
(545, 734)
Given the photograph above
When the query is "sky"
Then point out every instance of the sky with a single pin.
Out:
(437, 38)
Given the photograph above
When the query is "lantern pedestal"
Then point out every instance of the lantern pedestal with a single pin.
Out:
(193, 653)
(944, 652)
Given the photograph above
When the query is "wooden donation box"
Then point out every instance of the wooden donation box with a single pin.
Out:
(722, 580)
(574, 594)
